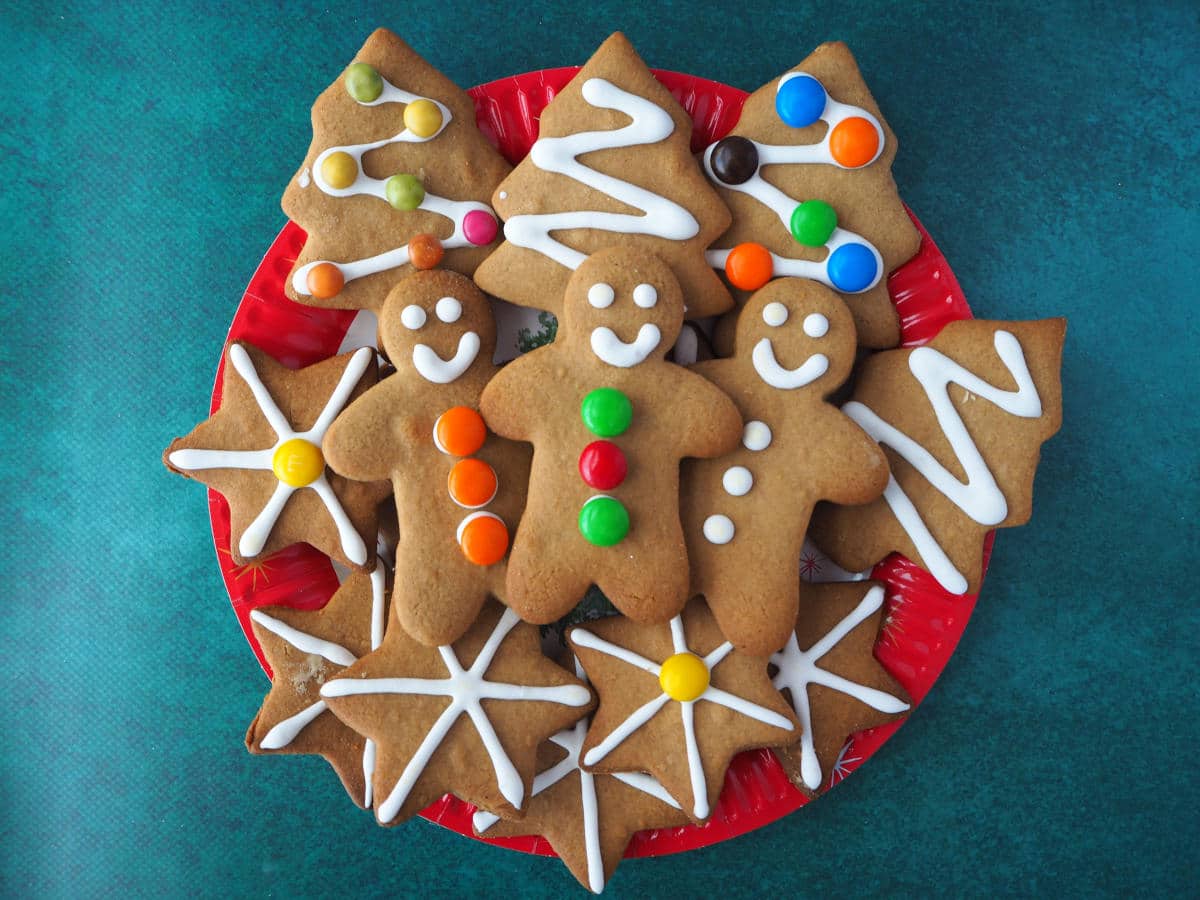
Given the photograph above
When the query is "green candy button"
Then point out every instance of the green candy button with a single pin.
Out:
(603, 521)
(813, 222)
(404, 192)
(363, 83)
(606, 412)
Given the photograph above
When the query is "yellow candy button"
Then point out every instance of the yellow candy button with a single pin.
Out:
(298, 462)
(339, 170)
(423, 118)
(683, 677)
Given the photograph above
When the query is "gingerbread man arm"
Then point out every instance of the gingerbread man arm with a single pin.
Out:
(513, 400)
(709, 422)
(365, 442)
(857, 453)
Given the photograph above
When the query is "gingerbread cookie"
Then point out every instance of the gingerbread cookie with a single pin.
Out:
(807, 176)
(677, 701)
(263, 450)
(304, 649)
(829, 672)
(466, 718)
(398, 174)
(459, 490)
(795, 344)
(963, 459)
(612, 167)
(610, 420)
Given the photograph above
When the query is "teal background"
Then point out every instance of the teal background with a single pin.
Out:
(1050, 149)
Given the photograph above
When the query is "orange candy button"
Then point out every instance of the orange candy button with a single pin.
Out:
(459, 431)
(325, 280)
(854, 142)
(483, 538)
(749, 266)
(472, 483)
(425, 251)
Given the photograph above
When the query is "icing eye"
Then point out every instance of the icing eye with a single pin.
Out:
(413, 317)
(601, 295)
(448, 310)
(816, 325)
(645, 296)
(775, 314)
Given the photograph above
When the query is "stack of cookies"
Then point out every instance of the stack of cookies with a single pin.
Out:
(723, 382)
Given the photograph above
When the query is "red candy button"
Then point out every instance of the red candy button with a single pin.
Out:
(602, 465)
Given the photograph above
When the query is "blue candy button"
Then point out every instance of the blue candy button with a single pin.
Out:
(800, 101)
(852, 268)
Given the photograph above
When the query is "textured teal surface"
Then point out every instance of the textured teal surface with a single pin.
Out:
(1050, 150)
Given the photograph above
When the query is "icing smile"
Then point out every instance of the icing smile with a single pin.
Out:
(443, 371)
(770, 371)
(614, 351)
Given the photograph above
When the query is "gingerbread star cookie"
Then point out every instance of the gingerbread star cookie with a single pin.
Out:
(263, 450)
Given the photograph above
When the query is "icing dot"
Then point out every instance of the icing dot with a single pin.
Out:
(737, 481)
(423, 118)
(813, 222)
(800, 100)
(606, 412)
(601, 295)
(363, 82)
(756, 435)
(749, 266)
(683, 677)
(603, 521)
(479, 227)
(448, 309)
(775, 314)
(404, 192)
(816, 325)
(472, 483)
(324, 280)
(734, 160)
(602, 465)
(483, 538)
(852, 268)
(645, 296)
(504, 195)
(718, 529)
(298, 462)
(854, 142)
(412, 317)
(339, 170)
(459, 431)
(425, 251)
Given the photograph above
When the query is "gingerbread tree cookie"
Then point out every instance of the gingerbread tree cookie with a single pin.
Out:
(795, 344)
(612, 167)
(466, 718)
(263, 450)
(962, 421)
(807, 175)
(396, 174)
(610, 420)
(459, 491)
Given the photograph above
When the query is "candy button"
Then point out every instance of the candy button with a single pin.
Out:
(339, 170)
(483, 538)
(606, 412)
(813, 222)
(852, 268)
(854, 142)
(479, 228)
(425, 251)
(800, 100)
(459, 431)
(423, 118)
(363, 82)
(749, 266)
(603, 521)
(602, 465)
(683, 677)
(472, 483)
(734, 160)
(324, 280)
(298, 462)
(404, 192)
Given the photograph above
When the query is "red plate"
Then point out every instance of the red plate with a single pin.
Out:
(923, 623)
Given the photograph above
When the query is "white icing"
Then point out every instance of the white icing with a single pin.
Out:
(412, 317)
(979, 497)
(756, 435)
(737, 481)
(434, 369)
(789, 267)
(816, 325)
(466, 688)
(304, 180)
(660, 217)
(645, 296)
(448, 309)
(775, 314)
(770, 371)
(289, 729)
(614, 351)
(798, 669)
(718, 529)
(305, 643)
(601, 295)
(254, 537)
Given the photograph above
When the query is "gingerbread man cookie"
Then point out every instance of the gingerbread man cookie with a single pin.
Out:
(610, 420)
(795, 345)
(459, 490)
